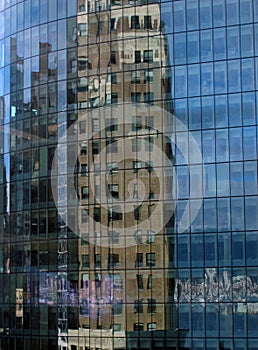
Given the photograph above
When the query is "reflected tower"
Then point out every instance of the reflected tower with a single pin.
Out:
(126, 275)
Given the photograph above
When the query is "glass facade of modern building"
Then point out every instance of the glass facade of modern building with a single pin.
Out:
(128, 174)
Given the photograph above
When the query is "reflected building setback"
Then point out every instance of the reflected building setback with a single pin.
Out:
(128, 174)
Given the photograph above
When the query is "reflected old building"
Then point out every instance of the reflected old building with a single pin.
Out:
(123, 287)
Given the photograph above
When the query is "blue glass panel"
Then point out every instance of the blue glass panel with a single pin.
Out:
(207, 111)
(256, 39)
(6, 80)
(198, 321)
(179, 16)
(193, 47)
(239, 324)
(2, 48)
(192, 14)
(195, 183)
(252, 344)
(251, 213)
(62, 101)
(210, 215)
(43, 11)
(197, 255)
(255, 4)
(183, 182)
(227, 343)
(208, 150)
(180, 82)
(170, 38)
(7, 110)
(219, 44)
(248, 74)
(223, 212)
(236, 178)
(13, 19)
(184, 312)
(198, 344)
(248, 108)
(20, 18)
(234, 109)
(218, 13)
(183, 250)
(196, 220)
(252, 319)
(181, 111)
(180, 48)
(27, 11)
(210, 180)
(206, 45)
(205, 13)
(180, 211)
(43, 34)
(252, 260)
(232, 8)
(256, 73)
(220, 77)
(224, 249)
(236, 149)
(212, 326)
(234, 79)
(237, 215)
(250, 178)
(34, 12)
(1, 80)
(20, 45)
(233, 42)
(166, 17)
(247, 49)
(246, 11)
(27, 73)
(249, 143)
(35, 41)
(194, 81)
(238, 248)
(222, 154)
(221, 113)
(52, 35)
(7, 24)
(61, 34)
(207, 78)
(52, 10)
(61, 5)
(2, 28)
(210, 250)
(223, 186)
(27, 43)
(182, 148)
(71, 8)
(194, 105)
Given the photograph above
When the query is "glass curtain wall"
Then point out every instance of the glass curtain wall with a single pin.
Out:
(128, 174)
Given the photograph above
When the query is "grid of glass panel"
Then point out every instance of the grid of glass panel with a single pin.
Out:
(196, 289)
(213, 49)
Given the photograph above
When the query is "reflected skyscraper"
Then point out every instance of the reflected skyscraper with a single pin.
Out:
(128, 174)
(122, 255)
